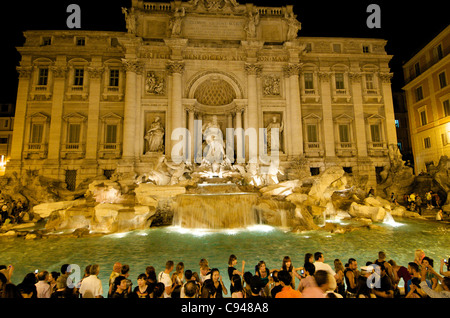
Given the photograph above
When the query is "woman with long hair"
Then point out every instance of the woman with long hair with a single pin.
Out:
(289, 267)
(232, 262)
(178, 279)
(340, 281)
(238, 289)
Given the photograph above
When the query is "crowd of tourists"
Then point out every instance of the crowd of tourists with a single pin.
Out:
(12, 211)
(416, 203)
(315, 279)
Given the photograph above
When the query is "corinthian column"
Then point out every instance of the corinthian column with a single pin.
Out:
(54, 142)
(95, 74)
(292, 71)
(132, 67)
(176, 112)
(21, 111)
(361, 141)
(391, 132)
(253, 70)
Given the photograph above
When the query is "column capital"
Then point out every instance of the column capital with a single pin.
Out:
(191, 108)
(238, 110)
(175, 67)
(95, 72)
(133, 65)
(59, 71)
(355, 77)
(253, 69)
(385, 77)
(292, 69)
(324, 76)
(24, 71)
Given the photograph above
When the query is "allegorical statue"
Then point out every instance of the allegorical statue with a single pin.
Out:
(175, 21)
(155, 136)
(214, 148)
(130, 19)
(252, 22)
(293, 26)
(273, 124)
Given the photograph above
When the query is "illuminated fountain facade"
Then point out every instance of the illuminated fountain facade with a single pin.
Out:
(196, 96)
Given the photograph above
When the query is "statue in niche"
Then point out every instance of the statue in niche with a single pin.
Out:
(214, 149)
(175, 21)
(273, 124)
(155, 136)
(130, 20)
(293, 26)
(153, 84)
(271, 86)
(252, 22)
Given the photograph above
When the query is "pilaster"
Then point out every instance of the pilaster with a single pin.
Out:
(59, 78)
(358, 110)
(327, 114)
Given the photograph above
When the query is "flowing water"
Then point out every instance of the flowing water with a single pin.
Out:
(216, 211)
(259, 242)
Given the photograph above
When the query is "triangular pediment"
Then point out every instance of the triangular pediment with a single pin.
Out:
(39, 115)
(74, 117)
(312, 116)
(375, 117)
(343, 117)
(111, 116)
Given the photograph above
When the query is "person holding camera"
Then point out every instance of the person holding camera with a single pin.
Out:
(307, 277)
(441, 270)
(445, 283)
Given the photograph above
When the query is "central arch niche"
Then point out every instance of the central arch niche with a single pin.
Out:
(214, 96)
(215, 92)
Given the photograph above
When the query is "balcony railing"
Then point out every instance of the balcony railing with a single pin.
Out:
(345, 145)
(110, 146)
(77, 88)
(72, 146)
(371, 91)
(313, 145)
(35, 150)
(113, 89)
(40, 88)
(270, 10)
(110, 150)
(157, 6)
(34, 146)
(345, 149)
(377, 144)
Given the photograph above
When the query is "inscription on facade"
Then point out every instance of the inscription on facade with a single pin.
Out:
(220, 29)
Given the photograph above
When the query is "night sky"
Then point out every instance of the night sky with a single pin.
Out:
(406, 25)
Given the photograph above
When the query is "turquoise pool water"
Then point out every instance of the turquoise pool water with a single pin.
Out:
(157, 245)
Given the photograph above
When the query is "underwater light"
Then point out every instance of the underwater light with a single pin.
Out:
(260, 228)
(119, 235)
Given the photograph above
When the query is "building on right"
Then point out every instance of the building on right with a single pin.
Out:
(427, 89)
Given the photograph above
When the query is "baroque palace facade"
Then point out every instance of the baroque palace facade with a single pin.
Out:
(95, 102)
